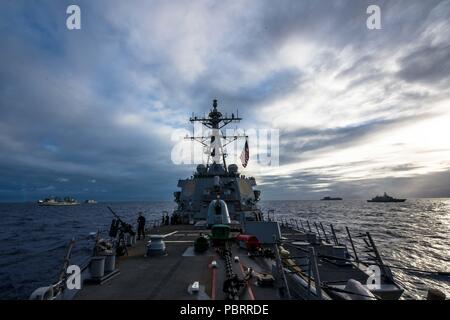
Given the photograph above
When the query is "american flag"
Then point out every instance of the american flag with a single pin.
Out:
(245, 154)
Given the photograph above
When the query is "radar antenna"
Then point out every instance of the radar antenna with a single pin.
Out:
(216, 121)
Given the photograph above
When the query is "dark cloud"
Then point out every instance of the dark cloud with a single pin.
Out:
(294, 143)
(426, 64)
(405, 167)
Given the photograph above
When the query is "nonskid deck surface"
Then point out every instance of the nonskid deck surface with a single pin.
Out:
(169, 277)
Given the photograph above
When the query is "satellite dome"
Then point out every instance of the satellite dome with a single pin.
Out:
(201, 168)
(232, 168)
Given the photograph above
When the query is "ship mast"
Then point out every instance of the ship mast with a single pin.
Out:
(216, 121)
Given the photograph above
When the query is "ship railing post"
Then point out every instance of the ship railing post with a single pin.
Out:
(352, 244)
(315, 271)
(318, 232)
(309, 226)
(324, 233)
(271, 218)
(62, 275)
(309, 274)
(378, 257)
(296, 223)
(336, 241)
(280, 268)
(301, 223)
(97, 238)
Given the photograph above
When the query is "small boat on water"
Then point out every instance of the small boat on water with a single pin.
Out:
(90, 201)
(58, 202)
(385, 198)
(330, 198)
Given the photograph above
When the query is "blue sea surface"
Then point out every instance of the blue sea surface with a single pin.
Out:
(415, 233)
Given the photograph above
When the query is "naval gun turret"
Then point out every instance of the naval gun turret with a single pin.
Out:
(218, 213)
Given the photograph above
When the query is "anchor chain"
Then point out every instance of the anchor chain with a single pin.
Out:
(233, 285)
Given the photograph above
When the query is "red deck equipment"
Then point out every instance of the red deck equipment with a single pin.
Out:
(249, 242)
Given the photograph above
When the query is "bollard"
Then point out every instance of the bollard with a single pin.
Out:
(97, 266)
(110, 263)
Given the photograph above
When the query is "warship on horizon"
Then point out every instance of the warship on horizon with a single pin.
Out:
(385, 198)
(330, 198)
(58, 202)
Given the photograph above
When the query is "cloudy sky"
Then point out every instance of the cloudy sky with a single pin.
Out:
(90, 112)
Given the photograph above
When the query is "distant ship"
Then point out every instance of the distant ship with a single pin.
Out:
(330, 198)
(90, 201)
(385, 198)
(58, 202)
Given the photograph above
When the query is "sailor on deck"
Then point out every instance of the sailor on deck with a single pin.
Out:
(141, 226)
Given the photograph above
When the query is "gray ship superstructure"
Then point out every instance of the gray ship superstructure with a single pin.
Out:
(215, 179)
(385, 198)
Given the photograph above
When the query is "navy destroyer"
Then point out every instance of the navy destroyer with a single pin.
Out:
(385, 198)
(218, 244)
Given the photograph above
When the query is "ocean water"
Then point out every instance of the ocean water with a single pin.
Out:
(415, 234)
